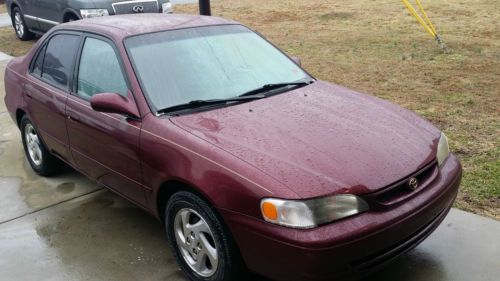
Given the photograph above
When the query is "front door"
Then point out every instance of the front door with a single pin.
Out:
(104, 146)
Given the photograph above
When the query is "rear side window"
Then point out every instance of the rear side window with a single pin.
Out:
(100, 70)
(59, 59)
(38, 64)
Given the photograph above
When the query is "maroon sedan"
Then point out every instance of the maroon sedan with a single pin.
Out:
(249, 161)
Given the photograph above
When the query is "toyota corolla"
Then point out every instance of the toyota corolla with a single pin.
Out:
(249, 161)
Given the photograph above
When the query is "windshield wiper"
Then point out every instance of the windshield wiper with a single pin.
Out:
(201, 103)
(269, 87)
(248, 96)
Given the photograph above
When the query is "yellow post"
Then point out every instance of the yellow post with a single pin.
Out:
(422, 22)
(426, 17)
(427, 24)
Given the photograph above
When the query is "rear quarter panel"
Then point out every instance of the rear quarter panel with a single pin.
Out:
(13, 87)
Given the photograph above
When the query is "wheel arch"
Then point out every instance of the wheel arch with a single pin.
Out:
(19, 115)
(13, 5)
(170, 187)
(68, 13)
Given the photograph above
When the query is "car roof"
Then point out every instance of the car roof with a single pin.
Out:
(134, 24)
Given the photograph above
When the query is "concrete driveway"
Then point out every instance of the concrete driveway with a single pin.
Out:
(5, 20)
(68, 228)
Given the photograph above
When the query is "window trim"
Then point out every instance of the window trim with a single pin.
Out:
(74, 89)
(35, 58)
(44, 44)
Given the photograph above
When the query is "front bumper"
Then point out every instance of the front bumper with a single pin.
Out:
(350, 247)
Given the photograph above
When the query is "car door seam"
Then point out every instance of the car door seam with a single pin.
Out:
(112, 170)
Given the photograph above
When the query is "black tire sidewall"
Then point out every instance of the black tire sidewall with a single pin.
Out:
(226, 267)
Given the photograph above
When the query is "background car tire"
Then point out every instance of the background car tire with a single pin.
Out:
(43, 163)
(20, 26)
(230, 265)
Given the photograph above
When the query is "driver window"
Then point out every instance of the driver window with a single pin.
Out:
(99, 70)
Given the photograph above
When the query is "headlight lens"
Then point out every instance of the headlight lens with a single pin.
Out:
(313, 212)
(166, 8)
(92, 13)
(443, 149)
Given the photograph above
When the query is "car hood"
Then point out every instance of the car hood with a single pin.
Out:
(321, 139)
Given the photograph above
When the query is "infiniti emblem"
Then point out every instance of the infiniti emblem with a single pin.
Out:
(138, 9)
(413, 183)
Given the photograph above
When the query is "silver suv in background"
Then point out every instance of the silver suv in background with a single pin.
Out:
(30, 17)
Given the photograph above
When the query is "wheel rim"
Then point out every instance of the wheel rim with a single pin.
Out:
(18, 24)
(33, 144)
(196, 242)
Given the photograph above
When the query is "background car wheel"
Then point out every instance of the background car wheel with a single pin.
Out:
(40, 159)
(204, 250)
(20, 26)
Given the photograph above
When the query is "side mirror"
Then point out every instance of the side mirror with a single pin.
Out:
(297, 60)
(114, 103)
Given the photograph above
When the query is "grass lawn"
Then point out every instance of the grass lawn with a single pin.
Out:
(10, 45)
(378, 48)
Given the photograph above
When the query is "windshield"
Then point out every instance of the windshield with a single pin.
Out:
(204, 63)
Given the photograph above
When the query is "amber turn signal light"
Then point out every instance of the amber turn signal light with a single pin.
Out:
(269, 211)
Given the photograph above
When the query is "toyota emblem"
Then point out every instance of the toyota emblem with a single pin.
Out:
(413, 183)
(138, 9)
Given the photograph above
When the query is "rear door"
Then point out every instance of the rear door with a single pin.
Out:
(29, 10)
(104, 146)
(49, 84)
(49, 12)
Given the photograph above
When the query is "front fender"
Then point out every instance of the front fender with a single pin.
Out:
(169, 153)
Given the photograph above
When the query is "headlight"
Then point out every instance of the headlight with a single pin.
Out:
(92, 13)
(442, 150)
(313, 212)
(166, 8)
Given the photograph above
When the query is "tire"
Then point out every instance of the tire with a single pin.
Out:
(20, 26)
(193, 231)
(40, 159)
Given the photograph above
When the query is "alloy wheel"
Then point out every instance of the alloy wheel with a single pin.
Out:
(196, 242)
(18, 24)
(33, 144)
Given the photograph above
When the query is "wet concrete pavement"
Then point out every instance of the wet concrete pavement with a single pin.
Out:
(5, 20)
(68, 228)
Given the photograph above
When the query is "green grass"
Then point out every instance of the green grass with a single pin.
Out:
(12, 46)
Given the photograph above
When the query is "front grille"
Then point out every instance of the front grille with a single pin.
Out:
(400, 191)
(127, 7)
